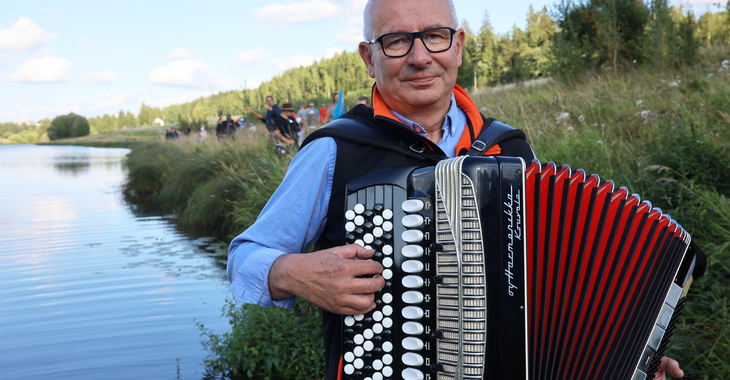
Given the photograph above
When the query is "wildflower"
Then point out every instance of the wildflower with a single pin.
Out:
(570, 129)
(726, 63)
(595, 124)
(562, 116)
(639, 102)
(603, 125)
(293, 353)
(582, 118)
(645, 114)
(599, 142)
(674, 84)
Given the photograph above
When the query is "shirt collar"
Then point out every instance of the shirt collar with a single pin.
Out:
(448, 126)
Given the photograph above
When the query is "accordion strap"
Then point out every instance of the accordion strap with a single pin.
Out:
(492, 134)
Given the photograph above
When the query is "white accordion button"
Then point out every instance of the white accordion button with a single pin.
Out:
(387, 323)
(358, 351)
(368, 334)
(368, 238)
(387, 359)
(412, 251)
(368, 345)
(411, 312)
(387, 310)
(349, 369)
(387, 249)
(414, 360)
(412, 344)
(377, 316)
(412, 221)
(387, 347)
(387, 371)
(387, 298)
(411, 205)
(413, 282)
(349, 320)
(377, 232)
(413, 328)
(349, 357)
(377, 328)
(377, 220)
(360, 242)
(359, 317)
(387, 274)
(412, 373)
(412, 266)
(358, 363)
(349, 226)
(377, 375)
(412, 297)
(358, 339)
(359, 220)
(377, 365)
(412, 236)
(359, 208)
(350, 215)
(387, 226)
(388, 262)
(387, 214)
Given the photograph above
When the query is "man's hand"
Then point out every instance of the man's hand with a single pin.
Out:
(670, 367)
(329, 279)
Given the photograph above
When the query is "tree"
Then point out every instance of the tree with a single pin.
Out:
(67, 126)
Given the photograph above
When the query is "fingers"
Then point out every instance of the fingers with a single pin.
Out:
(671, 367)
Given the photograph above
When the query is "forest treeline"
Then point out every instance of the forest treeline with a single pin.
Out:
(574, 37)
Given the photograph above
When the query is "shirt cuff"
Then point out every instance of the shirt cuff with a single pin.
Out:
(251, 284)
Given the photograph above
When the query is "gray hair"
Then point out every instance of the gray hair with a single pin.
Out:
(367, 30)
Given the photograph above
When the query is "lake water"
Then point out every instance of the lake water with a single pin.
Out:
(89, 289)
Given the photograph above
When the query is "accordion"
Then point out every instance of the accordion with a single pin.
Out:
(495, 270)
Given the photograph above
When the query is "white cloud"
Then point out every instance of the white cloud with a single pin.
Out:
(41, 70)
(177, 54)
(349, 30)
(24, 35)
(143, 90)
(185, 73)
(88, 106)
(308, 11)
(96, 77)
(332, 51)
(251, 57)
(292, 62)
(108, 101)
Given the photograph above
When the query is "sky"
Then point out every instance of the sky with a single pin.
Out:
(95, 57)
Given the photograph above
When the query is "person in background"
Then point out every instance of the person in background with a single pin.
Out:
(286, 126)
(203, 134)
(302, 115)
(363, 100)
(230, 128)
(322, 114)
(312, 117)
(331, 108)
(272, 112)
(242, 123)
(220, 128)
(173, 134)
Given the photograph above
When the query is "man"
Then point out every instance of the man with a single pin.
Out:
(271, 113)
(322, 113)
(415, 97)
(312, 116)
(302, 114)
(285, 126)
(363, 99)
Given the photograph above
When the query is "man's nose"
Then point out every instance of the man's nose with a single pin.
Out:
(419, 56)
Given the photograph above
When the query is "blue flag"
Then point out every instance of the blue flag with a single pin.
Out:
(340, 108)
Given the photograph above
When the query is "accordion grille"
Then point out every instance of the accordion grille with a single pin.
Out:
(460, 262)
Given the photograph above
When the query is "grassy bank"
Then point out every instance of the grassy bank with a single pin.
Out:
(122, 138)
(661, 133)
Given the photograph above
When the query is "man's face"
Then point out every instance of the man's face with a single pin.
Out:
(269, 101)
(420, 78)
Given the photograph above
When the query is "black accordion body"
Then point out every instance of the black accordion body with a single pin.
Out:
(495, 270)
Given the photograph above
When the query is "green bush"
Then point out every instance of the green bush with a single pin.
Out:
(67, 126)
(266, 344)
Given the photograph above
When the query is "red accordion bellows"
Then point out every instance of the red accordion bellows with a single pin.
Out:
(598, 261)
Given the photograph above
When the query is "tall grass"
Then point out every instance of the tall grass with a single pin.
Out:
(661, 133)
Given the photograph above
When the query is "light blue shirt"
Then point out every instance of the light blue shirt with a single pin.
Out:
(296, 213)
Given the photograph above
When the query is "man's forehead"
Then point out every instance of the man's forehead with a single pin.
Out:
(390, 16)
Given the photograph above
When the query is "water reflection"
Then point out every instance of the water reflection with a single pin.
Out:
(88, 289)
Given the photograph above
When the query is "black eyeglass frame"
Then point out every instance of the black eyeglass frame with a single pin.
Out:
(415, 35)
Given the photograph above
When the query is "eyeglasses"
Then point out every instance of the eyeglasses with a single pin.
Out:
(396, 45)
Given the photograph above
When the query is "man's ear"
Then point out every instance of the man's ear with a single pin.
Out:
(367, 57)
(460, 37)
